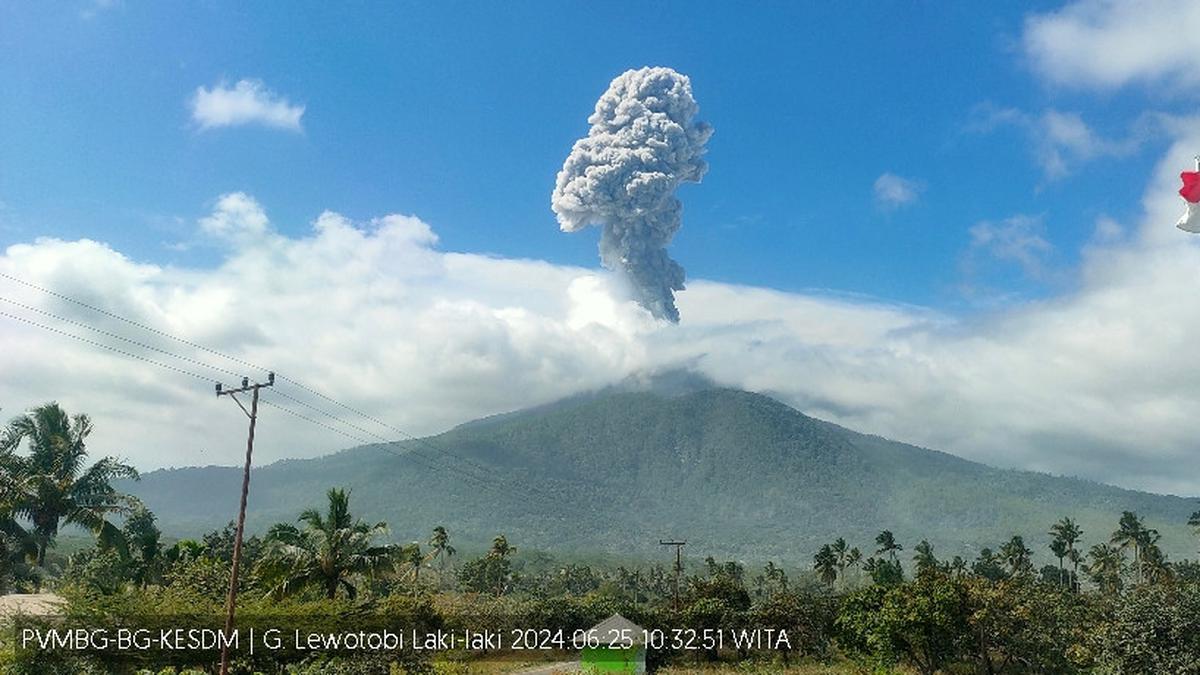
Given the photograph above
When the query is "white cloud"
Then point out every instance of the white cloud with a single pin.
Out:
(1099, 381)
(1015, 240)
(237, 216)
(1109, 43)
(892, 191)
(247, 102)
(1062, 141)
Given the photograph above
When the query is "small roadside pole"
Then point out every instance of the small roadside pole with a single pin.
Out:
(678, 564)
(252, 413)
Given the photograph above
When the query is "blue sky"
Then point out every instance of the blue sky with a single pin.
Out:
(462, 113)
(950, 224)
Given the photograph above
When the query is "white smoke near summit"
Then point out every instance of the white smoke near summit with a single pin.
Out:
(622, 176)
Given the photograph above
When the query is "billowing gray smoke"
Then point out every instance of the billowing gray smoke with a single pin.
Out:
(643, 143)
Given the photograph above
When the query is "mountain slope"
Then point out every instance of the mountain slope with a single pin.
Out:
(736, 474)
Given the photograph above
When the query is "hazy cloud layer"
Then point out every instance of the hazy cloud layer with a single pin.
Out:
(1098, 382)
(246, 102)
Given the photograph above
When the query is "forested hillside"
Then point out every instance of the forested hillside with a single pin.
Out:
(737, 474)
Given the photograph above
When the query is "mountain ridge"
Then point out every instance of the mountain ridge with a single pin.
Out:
(741, 475)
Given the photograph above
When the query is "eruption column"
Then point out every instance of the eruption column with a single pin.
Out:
(644, 141)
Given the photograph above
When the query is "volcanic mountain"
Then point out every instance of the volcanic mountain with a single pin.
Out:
(738, 475)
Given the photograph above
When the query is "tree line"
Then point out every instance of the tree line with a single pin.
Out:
(1117, 606)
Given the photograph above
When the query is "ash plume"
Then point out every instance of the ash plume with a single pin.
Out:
(622, 176)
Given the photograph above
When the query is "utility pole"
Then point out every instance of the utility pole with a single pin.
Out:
(252, 413)
(678, 564)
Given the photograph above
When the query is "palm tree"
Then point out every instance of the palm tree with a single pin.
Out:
(887, 544)
(825, 564)
(1131, 533)
(1155, 568)
(958, 567)
(841, 553)
(760, 586)
(989, 565)
(1067, 531)
(1016, 555)
(56, 488)
(1059, 548)
(1075, 557)
(327, 551)
(17, 545)
(926, 562)
(500, 548)
(776, 576)
(411, 556)
(1106, 566)
(854, 558)
(441, 548)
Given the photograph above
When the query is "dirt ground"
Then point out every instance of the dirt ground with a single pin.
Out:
(33, 604)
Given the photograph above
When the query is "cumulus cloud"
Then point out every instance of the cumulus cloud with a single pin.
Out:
(1062, 141)
(246, 102)
(1107, 43)
(893, 192)
(1098, 381)
(237, 216)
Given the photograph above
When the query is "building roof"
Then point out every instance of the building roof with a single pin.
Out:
(613, 626)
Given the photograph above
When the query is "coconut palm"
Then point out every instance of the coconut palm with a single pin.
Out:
(854, 558)
(1067, 531)
(17, 545)
(1131, 533)
(55, 488)
(1107, 564)
(328, 551)
(776, 576)
(1075, 557)
(887, 544)
(500, 548)
(440, 546)
(1014, 554)
(924, 558)
(412, 557)
(1059, 548)
(825, 564)
(841, 550)
(958, 567)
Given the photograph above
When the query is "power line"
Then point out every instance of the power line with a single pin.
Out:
(382, 445)
(203, 378)
(105, 333)
(440, 452)
(104, 346)
(234, 359)
(131, 322)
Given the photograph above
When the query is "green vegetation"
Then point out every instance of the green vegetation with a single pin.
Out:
(739, 475)
(49, 485)
(1109, 600)
(328, 553)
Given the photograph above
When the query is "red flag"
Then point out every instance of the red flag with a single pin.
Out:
(1191, 186)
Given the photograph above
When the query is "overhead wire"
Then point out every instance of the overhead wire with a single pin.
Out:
(234, 359)
(412, 439)
(115, 336)
(383, 443)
